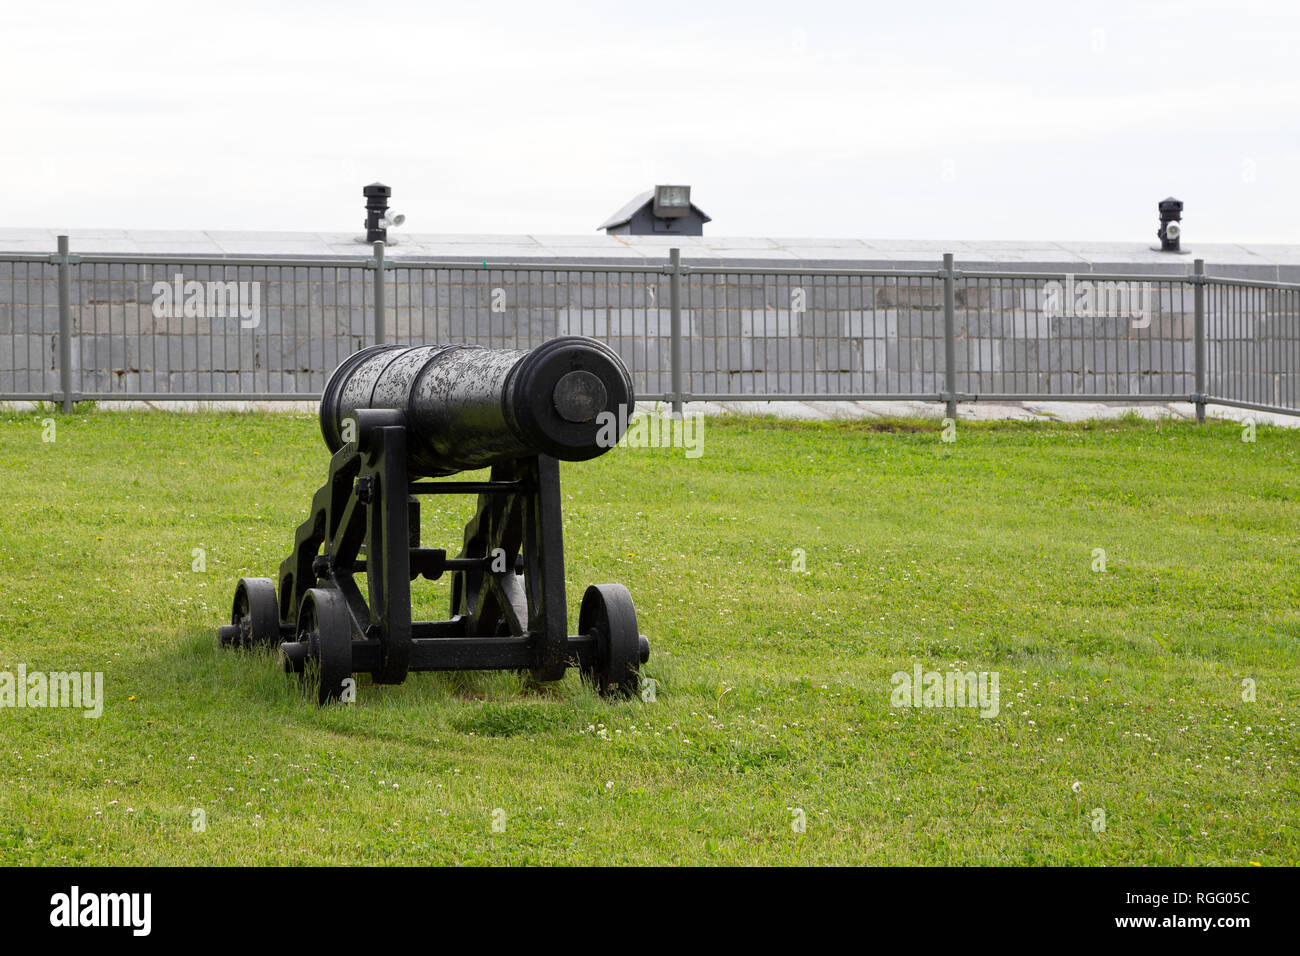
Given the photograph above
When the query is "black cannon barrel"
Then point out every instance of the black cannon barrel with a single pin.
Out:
(469, 407)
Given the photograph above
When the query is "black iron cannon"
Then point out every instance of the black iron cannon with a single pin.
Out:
(392, 416)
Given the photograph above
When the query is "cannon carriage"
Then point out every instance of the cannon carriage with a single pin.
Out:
(398, 420)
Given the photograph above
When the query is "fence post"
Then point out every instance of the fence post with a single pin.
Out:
(65, 323)
(1198, 296)
(381, 318)
(675, 310)
(949, 339)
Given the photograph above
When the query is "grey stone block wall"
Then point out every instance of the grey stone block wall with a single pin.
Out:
(743, 333)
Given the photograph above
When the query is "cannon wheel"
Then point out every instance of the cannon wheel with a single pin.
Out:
(255, 616)
(608, 615)
(325, 626)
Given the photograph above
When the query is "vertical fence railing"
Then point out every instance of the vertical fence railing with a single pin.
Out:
(380, 280)
(687, 332)
(1198, 296)
(65, 322)
(675, 320)
(1252, 344)
(949, 337)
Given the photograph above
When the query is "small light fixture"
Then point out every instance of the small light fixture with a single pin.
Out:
(672, 202)
(378, 218)
(1171, 230)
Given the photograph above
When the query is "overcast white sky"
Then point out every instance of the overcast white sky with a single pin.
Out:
(928, 120)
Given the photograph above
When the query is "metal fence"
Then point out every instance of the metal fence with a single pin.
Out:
(114, 327)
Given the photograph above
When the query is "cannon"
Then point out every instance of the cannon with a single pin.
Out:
(397, 421)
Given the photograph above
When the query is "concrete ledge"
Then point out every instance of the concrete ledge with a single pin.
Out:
(1253, 260)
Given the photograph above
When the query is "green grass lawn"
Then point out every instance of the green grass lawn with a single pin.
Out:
(1120, 690)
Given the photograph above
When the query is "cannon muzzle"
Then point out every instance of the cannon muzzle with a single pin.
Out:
(468, 407)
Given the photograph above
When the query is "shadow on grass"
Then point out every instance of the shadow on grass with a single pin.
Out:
(195, 676)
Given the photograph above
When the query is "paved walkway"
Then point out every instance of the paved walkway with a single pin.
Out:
(988, 411)
(821, 411)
